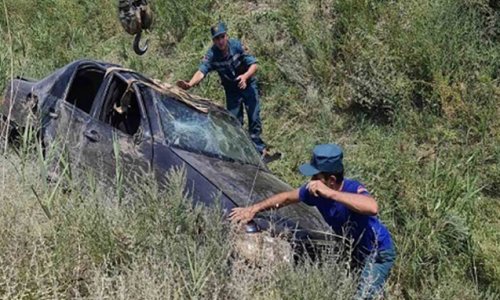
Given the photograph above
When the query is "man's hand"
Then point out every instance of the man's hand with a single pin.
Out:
(241, 215)
(318, 189)
(183, 84)
(242, 81)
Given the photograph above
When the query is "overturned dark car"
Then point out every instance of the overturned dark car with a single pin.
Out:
(94, 106)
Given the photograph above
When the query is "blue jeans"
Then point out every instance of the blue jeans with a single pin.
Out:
(375, 272)
(236, 99)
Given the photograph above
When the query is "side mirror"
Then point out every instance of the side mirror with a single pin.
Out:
(252, 227)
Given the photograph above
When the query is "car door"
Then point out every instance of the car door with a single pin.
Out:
(68, 117)
(114, 149)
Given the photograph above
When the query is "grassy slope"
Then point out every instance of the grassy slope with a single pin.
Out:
(410, 89)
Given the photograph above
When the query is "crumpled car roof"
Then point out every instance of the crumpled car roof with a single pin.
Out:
(131, 77)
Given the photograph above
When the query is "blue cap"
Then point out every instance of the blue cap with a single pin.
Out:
(218, 29)
(326, 158)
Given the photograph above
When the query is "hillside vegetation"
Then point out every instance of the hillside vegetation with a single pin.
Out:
(409, 88)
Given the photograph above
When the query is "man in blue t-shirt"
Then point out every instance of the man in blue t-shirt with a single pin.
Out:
(347, 206)
(236, 68)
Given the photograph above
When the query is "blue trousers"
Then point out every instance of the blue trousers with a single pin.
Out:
(375, 272)
(236, 99)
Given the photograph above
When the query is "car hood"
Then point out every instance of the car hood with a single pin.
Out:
(246, 184)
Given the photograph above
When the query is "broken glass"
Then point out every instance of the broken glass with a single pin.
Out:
(215, 134)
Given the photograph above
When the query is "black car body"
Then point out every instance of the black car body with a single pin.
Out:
(94, 106)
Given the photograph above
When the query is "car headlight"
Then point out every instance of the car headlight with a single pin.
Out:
(259, 247)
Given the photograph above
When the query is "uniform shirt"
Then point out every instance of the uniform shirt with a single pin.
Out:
(368, 232)
(229, 67)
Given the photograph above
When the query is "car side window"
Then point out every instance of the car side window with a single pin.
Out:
(121, 108)
(84, 88)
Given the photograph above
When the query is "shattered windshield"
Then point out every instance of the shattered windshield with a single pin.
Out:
(214, 134)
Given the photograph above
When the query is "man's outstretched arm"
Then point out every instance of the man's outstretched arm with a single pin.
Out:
(197, 78)
(204, 68)
(246, 214)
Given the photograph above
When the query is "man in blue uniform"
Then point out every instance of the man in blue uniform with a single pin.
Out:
(347, 207)
(236, 68)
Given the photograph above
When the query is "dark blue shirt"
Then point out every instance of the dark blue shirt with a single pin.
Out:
(367, 232)
(230, 66)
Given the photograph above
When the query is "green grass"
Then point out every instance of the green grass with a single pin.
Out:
(410, 89)
(88, 241)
